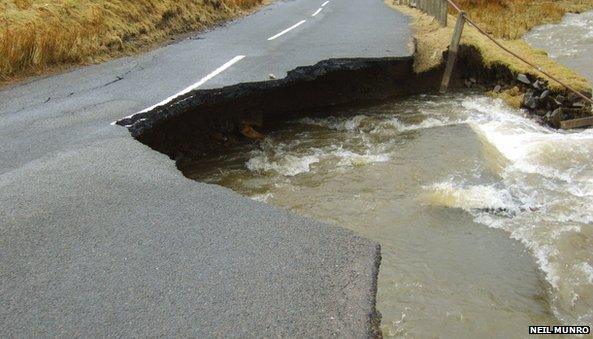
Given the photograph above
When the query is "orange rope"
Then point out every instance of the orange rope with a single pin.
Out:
(516, 55)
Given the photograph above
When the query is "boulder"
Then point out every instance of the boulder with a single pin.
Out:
(530, 100)
(555, 118)
(523, 79)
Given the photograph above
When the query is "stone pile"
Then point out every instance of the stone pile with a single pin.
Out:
(550, 109)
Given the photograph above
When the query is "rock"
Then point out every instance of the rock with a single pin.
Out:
(473, 80)
(467, 83)
(560, 98)
(578, 104)
(572, 113)
(524, 79)
(217, 136)
(544, 94)
(554, 118)
(530, 100)
(497, 89)
(534, 103)
(527, 98)
(537, 85)
(572, 97)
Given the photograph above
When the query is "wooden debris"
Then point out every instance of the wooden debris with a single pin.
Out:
(453, 49)
(577, 123)
(251, 133)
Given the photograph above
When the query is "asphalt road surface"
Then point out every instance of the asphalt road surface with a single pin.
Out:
(101, 235)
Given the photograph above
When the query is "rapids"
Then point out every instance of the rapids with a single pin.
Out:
(434, 179)
(483, 215)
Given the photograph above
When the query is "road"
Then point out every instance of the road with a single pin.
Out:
(101, 235)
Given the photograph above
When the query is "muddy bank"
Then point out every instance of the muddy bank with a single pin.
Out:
(527, 87)
(205, 120)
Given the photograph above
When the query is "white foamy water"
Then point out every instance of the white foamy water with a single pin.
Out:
(292, 159)
(473, 197)
(548, 188)
(570, 38)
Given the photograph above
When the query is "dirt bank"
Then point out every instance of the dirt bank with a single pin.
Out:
(207, 121)
(500, 73)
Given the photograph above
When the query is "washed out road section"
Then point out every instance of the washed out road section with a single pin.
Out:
(42, 116)
(101, 235)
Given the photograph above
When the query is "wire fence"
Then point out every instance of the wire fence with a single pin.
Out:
(530, 64)
(435, 8)
(438, 9)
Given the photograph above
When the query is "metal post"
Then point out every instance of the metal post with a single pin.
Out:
(453, 49)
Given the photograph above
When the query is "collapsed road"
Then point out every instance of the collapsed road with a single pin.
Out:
(101, 235)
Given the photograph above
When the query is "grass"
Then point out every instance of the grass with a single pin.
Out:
(39, 34)
(433, 40)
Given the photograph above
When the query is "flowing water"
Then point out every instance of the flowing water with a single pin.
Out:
(484, 217)
(434, 180)
(570, 42)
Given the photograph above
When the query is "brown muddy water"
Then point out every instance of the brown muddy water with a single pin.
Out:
(444, 183)
(484, 217)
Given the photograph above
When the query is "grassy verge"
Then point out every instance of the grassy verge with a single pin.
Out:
(433, 40)
(39, 34)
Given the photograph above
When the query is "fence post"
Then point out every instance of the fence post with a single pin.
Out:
(443, 5)
(453, 48)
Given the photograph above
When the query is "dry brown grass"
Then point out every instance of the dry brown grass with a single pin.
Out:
(432, 41)
(37, 34)
(511, 19)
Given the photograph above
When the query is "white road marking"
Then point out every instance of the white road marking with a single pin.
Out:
(325, 3)
(192, 87)
(317, 11)
(287, 30)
